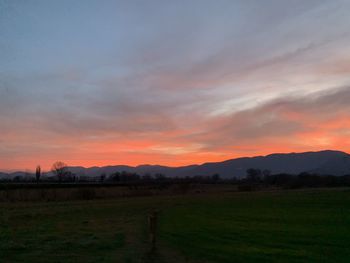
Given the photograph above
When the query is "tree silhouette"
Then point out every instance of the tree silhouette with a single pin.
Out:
(266, 173)
(102, 177)
(215, 178)
(59, 169)
(37, 173)
(253, 175)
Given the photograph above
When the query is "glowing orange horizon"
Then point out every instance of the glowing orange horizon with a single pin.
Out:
(134, 159)
(215, 140)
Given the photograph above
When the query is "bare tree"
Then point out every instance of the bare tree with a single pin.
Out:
(59, 169)
(37, 173)
(266, 173)
(102, 177)
(253, 175)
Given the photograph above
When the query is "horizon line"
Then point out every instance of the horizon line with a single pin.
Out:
(11, 171)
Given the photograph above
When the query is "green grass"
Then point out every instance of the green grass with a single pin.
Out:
(294, 226)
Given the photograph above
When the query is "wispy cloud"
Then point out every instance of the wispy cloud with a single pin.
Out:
(171, 83)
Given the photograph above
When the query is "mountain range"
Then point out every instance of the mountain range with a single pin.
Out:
(322, 162)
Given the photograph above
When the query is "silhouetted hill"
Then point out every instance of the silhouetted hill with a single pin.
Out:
(322, 162)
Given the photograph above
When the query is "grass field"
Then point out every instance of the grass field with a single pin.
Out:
(283, 226)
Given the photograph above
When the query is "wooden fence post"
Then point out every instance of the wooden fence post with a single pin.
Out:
(152, 221)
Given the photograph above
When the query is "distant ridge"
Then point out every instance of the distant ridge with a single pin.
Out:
(321, 162)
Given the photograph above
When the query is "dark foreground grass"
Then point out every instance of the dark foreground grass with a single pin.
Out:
(295, 226)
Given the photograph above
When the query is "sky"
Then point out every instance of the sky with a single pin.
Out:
(103, 82)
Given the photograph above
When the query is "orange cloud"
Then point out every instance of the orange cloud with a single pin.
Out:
(316, 122)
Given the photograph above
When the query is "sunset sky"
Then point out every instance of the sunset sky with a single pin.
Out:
(171, 82)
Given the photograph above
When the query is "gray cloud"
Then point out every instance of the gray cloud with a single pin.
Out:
(278, 120)
(202, 74)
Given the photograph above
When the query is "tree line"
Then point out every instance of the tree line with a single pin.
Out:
(255, 178)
